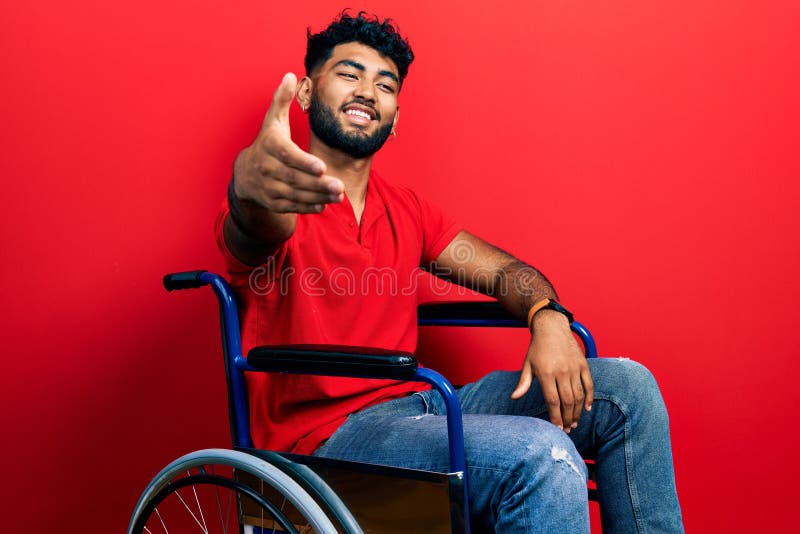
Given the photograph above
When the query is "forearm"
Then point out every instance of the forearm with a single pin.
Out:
(251, 230)
(472, 262)
(518, 286)
(256, 220)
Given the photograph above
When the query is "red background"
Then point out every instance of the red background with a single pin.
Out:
(642, 154)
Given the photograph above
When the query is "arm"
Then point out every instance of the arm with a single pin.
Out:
(274, 180)
(554, 356)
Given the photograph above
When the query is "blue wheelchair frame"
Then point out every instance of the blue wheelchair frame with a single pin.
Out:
(483, 314)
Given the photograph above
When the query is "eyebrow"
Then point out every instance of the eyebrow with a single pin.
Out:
(358, 66)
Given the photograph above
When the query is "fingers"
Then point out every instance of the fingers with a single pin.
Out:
(293, 193)
(576, 393)
(283, 205)
(281, 148)
(577, 400)
(524, 383)
(553, 401)
(300, 179)
(564, 386)
(588, 388)
(559, 399)
(565, 393)
(556, 361)
(298, 186)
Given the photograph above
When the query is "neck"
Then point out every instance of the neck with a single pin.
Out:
(354, 173)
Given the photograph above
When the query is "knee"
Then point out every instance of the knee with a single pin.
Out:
(534, 471)
(524, 446)
(551, 458)
(631, 385)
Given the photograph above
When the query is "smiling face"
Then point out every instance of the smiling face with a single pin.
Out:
(352, 99)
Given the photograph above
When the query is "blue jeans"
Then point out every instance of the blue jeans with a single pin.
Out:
(524, 474)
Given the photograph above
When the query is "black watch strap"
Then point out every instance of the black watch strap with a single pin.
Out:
(555, 306)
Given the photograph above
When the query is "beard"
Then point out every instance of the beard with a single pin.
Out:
(358, 145)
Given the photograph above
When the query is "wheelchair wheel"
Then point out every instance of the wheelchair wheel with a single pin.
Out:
(220, 490)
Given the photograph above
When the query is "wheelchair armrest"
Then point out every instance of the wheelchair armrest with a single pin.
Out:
(465, 313)
(333, 360)
(363, 362)
(492, 314)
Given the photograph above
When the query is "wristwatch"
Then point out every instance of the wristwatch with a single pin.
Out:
(548, 304)
(555, 306)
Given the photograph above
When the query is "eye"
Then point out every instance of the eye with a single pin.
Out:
(348, 75)
(386, 87)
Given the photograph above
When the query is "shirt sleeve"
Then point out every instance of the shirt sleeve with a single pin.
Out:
(232, 263)
(438, 230)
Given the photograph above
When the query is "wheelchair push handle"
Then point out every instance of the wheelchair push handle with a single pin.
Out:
(184, 280)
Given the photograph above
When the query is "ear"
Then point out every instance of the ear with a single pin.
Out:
(303, 93)
(396, 118)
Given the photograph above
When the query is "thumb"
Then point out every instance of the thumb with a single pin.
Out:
(281, 100)
(525, 379)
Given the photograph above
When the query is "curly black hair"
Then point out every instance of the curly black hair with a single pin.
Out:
(364, 28)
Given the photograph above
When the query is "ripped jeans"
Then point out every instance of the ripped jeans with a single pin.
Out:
(524, 474)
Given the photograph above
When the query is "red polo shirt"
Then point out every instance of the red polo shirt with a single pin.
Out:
(335, 282)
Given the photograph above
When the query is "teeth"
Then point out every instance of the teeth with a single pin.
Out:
(358, 113)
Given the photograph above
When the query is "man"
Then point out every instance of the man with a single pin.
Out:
(297, 224)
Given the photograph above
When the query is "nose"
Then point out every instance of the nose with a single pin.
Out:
(365, 90)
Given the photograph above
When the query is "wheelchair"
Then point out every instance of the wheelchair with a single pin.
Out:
(251, 491)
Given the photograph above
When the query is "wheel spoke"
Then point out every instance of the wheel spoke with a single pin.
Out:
(219, 507)
(162, 521)
(274, 526)
(197, 500)
(228, 513)
(199, 524)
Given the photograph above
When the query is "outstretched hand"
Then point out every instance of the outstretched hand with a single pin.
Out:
(275, 173)
(557, 361)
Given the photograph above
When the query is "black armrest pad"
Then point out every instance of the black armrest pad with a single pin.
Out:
(333, 360)
(454, 311)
